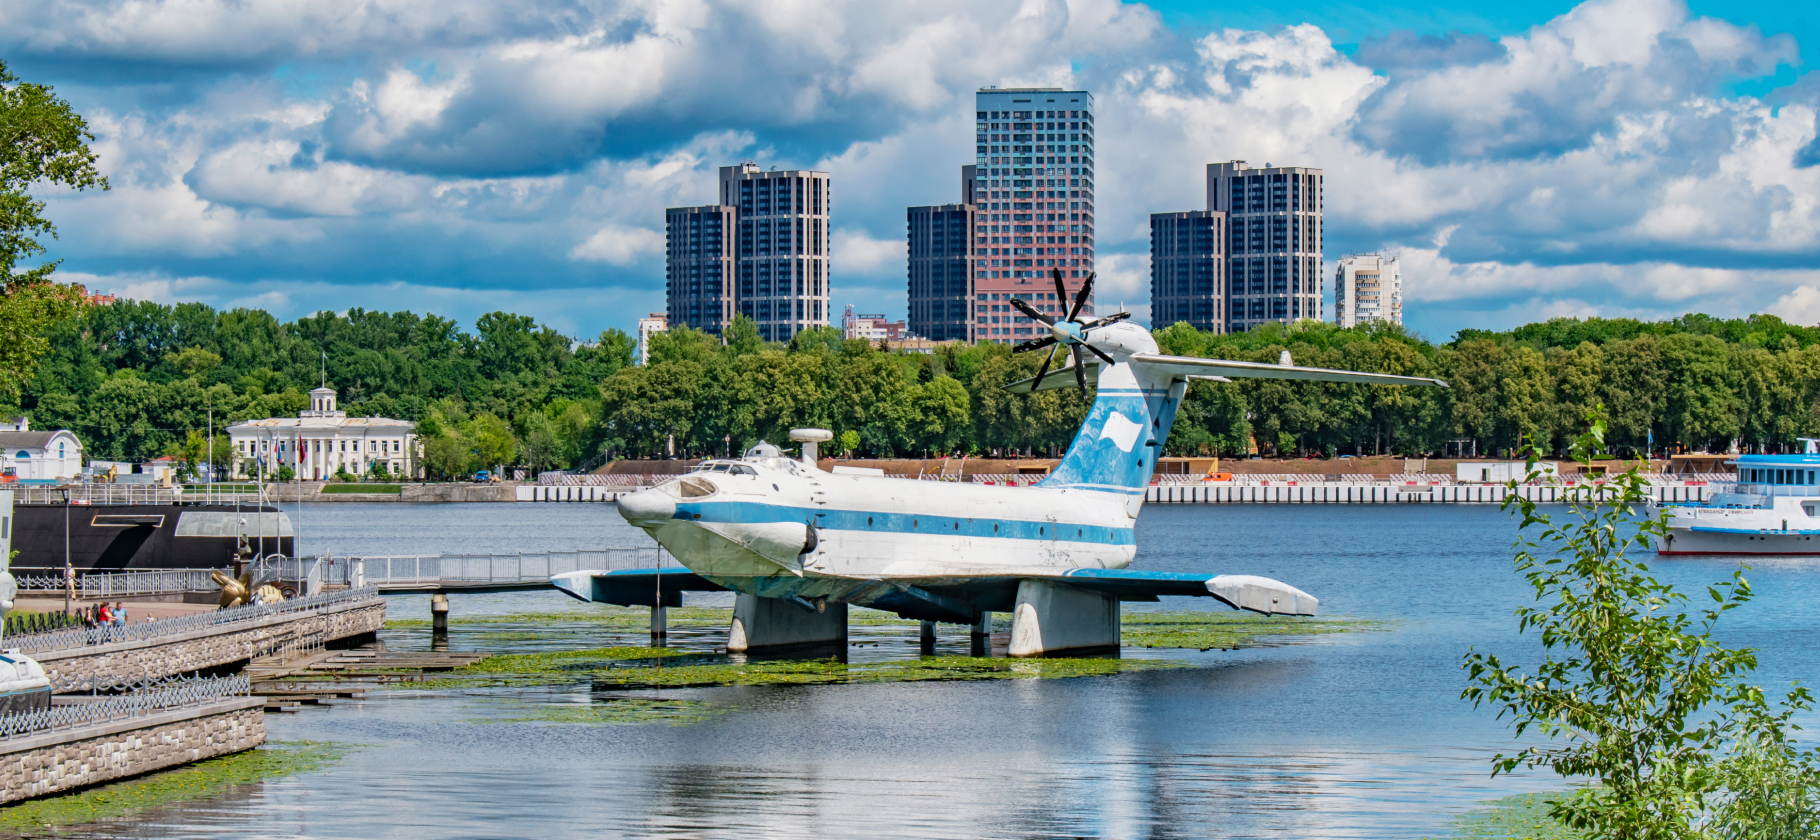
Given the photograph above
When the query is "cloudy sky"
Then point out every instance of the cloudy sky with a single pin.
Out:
(1528, 160)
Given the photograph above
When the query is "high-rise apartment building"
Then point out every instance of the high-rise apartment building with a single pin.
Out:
(1031, 194)
(648, 326)
(1188, 269)
(941, 269)
(1366, 288)
(1034, 189)
(1273, 252)
(783, 247)
(700, 267)
(767, 242)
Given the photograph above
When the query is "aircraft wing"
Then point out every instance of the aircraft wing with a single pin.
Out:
(942, 595)
(634, 587)
(1223, 370)
(1189, 366)
(1246, 592)
(956, 597)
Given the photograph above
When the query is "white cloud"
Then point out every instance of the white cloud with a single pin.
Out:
(856, 251)
(1799, 306)
(619, 245)
(1585, 163)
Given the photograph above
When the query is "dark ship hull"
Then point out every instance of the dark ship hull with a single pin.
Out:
(105, 538)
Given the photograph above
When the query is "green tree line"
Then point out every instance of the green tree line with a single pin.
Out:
(135, 378)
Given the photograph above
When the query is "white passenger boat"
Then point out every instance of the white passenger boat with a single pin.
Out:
(1772, 508)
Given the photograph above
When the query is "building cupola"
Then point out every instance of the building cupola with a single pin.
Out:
(322, 404)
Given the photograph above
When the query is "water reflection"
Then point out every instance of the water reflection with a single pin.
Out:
(1349, 736)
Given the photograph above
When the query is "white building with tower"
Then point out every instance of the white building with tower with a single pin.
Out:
(1366, 288)
(323, 440)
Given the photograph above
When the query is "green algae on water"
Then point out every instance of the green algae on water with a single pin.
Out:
(625, 668)
(638, 618)
(833, 671)
(201, 780)
(1521, 817)
(604, 616)
(613, 711)
(1208, 630)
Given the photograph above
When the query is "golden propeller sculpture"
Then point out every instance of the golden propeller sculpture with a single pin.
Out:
(238, 591)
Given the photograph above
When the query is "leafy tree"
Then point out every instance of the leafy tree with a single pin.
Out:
(42, 141)
(446, 455)
(540, 445)
(743, 338)
(1633, 693)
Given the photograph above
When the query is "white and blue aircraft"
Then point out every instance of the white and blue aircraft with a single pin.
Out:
(798, 543)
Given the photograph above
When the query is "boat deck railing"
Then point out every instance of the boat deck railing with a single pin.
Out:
(138, 494)
(123, 584)
(1748, 489)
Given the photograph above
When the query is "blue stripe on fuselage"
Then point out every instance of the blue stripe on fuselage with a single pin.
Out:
(904, 523)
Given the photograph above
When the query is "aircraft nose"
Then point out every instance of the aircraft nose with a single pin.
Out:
(647, 507)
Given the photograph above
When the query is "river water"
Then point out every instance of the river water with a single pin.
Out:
(1358, 735)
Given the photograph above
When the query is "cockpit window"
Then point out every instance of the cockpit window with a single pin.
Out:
(697, 488)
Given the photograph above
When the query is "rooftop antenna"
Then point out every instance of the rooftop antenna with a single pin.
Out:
(325, 368)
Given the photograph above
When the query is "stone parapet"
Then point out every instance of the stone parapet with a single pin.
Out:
(72, 758)
(459, 493)
(119, 663)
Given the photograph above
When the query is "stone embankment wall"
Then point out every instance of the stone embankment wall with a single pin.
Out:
(83, 668)
(68, 759)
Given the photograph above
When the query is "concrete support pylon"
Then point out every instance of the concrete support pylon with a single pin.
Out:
(761, 624)
(926, 638)
(1051, 618)
(439, 614)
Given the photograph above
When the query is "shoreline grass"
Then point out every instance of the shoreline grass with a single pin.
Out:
(201, 780)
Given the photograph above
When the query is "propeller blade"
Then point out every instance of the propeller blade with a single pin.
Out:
(1109, 319)
(1080, 299)
(1080, 369)
(1096, 352)
(1034, 344)
(1029, 310)
(1044, 370)
(1061, 289)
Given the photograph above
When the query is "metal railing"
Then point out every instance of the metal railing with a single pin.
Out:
(1750, 489)
(148, 630)
(95, 494)
(222, 494)
(549, 479)
(168, 695)
(498, 569)
(120, 584)
(148, 582)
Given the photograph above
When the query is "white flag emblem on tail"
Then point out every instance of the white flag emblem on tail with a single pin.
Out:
(1122, 431)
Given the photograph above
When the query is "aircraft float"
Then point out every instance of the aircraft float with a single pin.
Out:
(798, 543)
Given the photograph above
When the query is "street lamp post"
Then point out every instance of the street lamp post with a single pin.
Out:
(69, 568)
